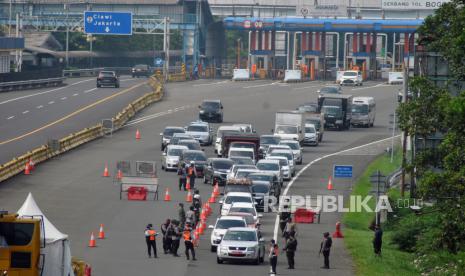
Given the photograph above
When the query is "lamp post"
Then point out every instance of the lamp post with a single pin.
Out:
(66, 8)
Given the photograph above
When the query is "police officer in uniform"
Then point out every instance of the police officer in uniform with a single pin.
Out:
(291, 247)
(192, 174)
(150, 235)
(189, 242)
(166, 239)
(176, 236)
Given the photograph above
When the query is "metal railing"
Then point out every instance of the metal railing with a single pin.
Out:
(28, 84)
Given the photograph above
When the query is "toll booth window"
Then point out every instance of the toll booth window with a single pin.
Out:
(17, 234)
(20, 260)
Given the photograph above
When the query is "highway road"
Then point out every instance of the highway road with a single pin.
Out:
(29, 118)
(74, 196)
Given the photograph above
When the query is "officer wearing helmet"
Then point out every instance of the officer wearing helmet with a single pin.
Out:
(192, 174)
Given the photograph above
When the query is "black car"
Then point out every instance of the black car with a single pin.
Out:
(268, 177)
(216, 170)
(108, 78)
(198, 157)
(266, 141)
(211, 111)
(140, 70)
(168, 133)
(261, 190)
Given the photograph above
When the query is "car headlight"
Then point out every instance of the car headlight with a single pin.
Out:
(224, 248)
(216, 235)
(201, 111)
(251, 249)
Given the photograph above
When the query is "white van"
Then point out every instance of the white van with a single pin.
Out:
(242, 152)
(363, 111)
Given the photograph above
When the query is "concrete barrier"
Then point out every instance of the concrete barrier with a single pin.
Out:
(396, 78)
(43, 153)
(292, 75)
(241, 74)
(29, 84)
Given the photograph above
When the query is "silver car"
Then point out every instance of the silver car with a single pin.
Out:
(170, 158)
(241, 244)
(201, 132)
(296, 149)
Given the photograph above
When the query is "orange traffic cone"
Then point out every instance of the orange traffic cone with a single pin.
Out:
(119, 175)
(212, 198)
(27, 169)
(189, 196)
(330, 183)
(203, 214)
(92, 242)
(188, 183)
(216, 190)
(338, 233)
(31, 165)
(101, 233)
(106, 173)
(208, 208)
(167, 195)
(137, 134)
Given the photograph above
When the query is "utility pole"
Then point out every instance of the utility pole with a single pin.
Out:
(239, 53)
(9, 18)
(377, 179)
(404, 136)
(166, 46)
(66, 7)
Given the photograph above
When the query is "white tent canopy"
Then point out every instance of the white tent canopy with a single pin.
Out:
(57, 250)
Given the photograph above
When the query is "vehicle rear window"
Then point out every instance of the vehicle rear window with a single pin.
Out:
(243, 210)
(269, 140)
(262, 189)
(268, 167)
(17, 234)
(107, 74)
(191, 156)
(222, 165)
(242, 145)
(241, 153)
(294, 146)
(240, 236)
(228, 223)
(232, 199)
(197, 128)
(168, 132)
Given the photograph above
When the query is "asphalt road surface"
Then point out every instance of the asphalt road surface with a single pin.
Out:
(74, 196)
(29, 118)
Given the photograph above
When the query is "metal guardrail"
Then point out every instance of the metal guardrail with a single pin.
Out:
(28, 84)
(92, 72)
(45, 152)
(393, 178)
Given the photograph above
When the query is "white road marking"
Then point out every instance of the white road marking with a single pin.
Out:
(261, 85)
(213, 83)
(368, 87)
(39, 106)
(25, 111)
(51, 102)
(11, 117)
(289, 185)
(156, 115)
(306, 87)
(64, 98)
(44, 92)
(90, 90)
(75, 94)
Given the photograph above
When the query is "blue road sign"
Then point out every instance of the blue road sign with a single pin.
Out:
(108, 23)
(158, 62)
(342, 171)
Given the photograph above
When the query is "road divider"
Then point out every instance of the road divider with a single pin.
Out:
(292, 76)
(241, 74)
(54, 148)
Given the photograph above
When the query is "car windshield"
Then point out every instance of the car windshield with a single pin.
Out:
(242, 160)
(240, 236)
(228, 223)
(222, 165)
(283, 162)
(260, 188)
(268, 167)
(241, 153)
(211, 105)
(107, 74)
(197, 128)
(286, 129)
(242, 145)
(220, 132)
(242, 174)
(315, 122)
(294, 146)
(309, 130)
(232, 199)
(329, 89)
(269, 140)
(247, 210)
(243, 167)
(168, 132)
(189, 144)
(193, 156)
(175, 152)
(332, 110)
(350, 74)
(307, 108)
(285, 154)
(260, 177)
(360, 109)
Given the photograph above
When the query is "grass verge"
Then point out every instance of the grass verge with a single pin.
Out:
(358, 237)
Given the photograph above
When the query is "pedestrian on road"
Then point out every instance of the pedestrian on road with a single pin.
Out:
(378, 240)
(283, 217)
(166, 239)
(192, 174)
(150, 235)
(190, 216)
(175, 239)
(189, 241)
(182, 177)
(181, 215)
(325, 248)
(273, 255)
(197, 197)
(290, 248)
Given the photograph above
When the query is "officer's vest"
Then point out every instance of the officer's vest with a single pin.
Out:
(187, 235)
(152, 235)
(190, 171)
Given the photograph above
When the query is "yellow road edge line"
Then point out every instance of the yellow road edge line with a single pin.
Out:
(71, 114)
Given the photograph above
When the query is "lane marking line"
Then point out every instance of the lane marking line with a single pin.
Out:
(25, 111)
(156, 115)
(306, 87)
(302, 170)
(206, 84)
(64, 98)
(11, 117)
(51, 102)
(39, 106)
(261, 85)
(72, 114)
(45, 92)
(75, 94)
(90, 90)
(371, 86)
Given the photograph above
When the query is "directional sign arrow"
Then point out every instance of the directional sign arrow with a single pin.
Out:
(107, 29)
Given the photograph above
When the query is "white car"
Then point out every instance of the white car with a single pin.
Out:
(242, 152)
(247, 128)
(284, 163)
(351, 78)
(219, 136)
(171, 155)
(234, 197)
(201, 132)
(296, 149)
(235, 167)
(273, 166)
(243, 173)
(245, 207)
(273, 147)
(286, 153)
(311, 136)
(222, 224)
(241, 244)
